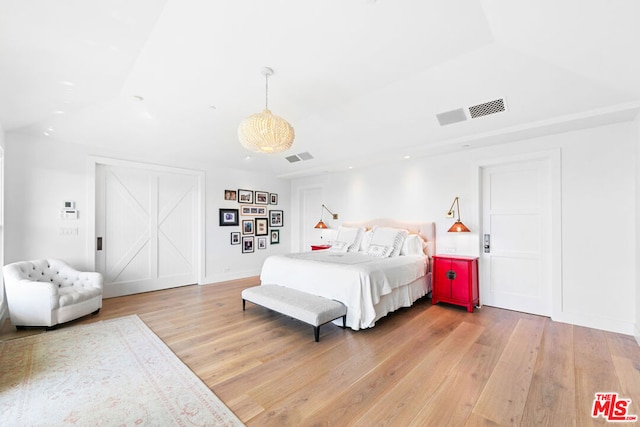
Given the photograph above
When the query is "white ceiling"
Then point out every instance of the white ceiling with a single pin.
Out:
(359, 80)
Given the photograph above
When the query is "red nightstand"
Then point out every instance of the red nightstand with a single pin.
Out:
(319, 247)
(455, 280)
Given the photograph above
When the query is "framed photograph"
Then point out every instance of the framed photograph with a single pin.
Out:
(228, 217)
(247, 226)
(253, 210)
(261, 227)
(276, 219)
(230, 195)
(262, 243)
(262, 197)
(247, 244)
(235, 238)
(273, 198)
(245, 196)
(275, 237)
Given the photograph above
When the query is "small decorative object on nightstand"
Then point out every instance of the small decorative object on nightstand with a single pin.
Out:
(319, 247)
(455, 280)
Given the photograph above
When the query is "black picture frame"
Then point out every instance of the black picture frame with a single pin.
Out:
(262, 242)
(276, 218)
(228, 217)
(261, 197)
(262, 228)
(273, 198)
(245, 196)
(248, 227)
(235, 238)
(275, 237)
(247, 244)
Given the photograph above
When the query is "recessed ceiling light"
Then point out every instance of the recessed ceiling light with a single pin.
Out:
(350, 167)
(213, 107)
(66, 83)
(407, 157)
(138, 98)
(247, 158)
(58, 112)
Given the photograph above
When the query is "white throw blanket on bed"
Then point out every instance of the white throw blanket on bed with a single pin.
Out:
(355, 279)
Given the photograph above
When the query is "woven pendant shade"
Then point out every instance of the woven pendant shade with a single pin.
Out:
(266, 133)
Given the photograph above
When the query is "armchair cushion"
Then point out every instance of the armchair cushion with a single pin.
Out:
(46, 292)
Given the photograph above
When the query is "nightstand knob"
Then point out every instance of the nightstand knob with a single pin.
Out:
(451, 275)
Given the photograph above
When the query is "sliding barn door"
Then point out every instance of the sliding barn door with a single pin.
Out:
(146, 225)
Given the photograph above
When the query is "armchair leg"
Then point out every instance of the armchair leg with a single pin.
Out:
(96, 312)
(21, 327)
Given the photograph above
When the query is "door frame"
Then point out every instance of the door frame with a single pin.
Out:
(92, 164)
(554, 156)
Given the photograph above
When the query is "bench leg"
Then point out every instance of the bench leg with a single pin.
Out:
(344, 321)
(243, 303)
(316, 332)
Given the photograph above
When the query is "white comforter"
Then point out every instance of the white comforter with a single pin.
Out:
(353, 278)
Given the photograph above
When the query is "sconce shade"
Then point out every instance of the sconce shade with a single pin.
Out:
(459, 227)
(321, 224)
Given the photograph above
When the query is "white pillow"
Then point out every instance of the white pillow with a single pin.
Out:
(366, 241)
(337, 246)
(379, 250)
(413, 245)
(352, 236)
(387, 236)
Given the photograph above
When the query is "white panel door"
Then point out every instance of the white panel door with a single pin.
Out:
(311, 209)
(146, 223)
(517, 218)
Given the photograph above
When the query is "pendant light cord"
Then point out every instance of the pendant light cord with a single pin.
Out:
(266, 89)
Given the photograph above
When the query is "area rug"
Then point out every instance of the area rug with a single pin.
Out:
(111, 373)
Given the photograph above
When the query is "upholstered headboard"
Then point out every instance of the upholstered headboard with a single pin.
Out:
(426, 230)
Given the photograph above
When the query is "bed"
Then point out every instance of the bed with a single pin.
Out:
(373, 268)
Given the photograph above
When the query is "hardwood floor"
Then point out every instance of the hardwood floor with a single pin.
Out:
(421, 366)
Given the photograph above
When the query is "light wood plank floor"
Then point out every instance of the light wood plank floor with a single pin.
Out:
(422, 366)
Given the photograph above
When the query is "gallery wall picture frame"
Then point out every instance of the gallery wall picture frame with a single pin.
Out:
(261, 227)
(230, 195)
(235, 238)
(276, 218)
(262, 243)
(275, 237)
(228, 217)
(247, 227)
(261, 197)
(273, 198)
(253, 210)
(247, 244)
(245, 196)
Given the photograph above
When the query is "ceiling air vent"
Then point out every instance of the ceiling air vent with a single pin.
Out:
(300, 156)
(491, 107)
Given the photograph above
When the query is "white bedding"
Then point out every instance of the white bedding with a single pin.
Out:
(356, 279)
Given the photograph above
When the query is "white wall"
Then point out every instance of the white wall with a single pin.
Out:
(637, 234)
(4, 310)
(598, 275)
(41, 174)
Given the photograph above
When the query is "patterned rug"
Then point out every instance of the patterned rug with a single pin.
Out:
(111, 373)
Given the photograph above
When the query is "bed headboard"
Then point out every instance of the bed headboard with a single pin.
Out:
(426, 230)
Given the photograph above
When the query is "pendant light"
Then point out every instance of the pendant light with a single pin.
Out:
(265, 132)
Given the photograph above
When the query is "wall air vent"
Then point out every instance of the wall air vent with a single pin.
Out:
(300, 156)
(491, 107)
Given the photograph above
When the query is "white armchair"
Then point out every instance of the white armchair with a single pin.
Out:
(47, 292)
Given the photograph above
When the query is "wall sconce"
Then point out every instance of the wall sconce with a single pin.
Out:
(457, 226)
(321, 223)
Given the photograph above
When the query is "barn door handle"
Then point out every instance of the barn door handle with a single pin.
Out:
(99, 244)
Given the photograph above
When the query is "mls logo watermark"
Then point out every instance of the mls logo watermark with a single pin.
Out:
(612, 408)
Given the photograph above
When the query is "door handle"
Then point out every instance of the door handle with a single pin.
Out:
(99, 244)
(487, 243)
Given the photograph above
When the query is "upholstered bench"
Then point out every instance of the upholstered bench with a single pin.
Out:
(311, 309)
